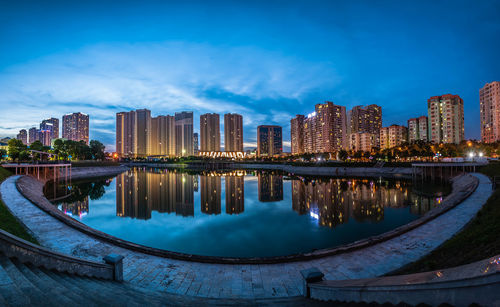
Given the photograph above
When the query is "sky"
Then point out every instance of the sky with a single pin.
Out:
(267, 60)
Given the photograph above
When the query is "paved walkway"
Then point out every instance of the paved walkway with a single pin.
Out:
(246, 281)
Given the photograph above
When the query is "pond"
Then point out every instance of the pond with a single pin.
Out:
(242, 213)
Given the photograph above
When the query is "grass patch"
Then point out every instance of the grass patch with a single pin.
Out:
(7, 221)
(477, 241)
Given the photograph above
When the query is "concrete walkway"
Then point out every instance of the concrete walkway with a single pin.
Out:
(246, 281)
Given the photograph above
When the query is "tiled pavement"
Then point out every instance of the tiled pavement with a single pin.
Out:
(245, 281)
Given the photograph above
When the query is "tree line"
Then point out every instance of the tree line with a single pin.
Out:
(61, 150)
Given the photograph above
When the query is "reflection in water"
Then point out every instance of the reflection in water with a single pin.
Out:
(235, 194)
(334, 201)
(210, 194)
(270, 187)
(330, 201)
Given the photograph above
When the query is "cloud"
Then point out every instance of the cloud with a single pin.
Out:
(165, 77)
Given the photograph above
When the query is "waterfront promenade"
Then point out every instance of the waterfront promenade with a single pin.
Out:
(250, 281)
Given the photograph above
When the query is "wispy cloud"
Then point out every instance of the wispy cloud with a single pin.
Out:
(164, 77)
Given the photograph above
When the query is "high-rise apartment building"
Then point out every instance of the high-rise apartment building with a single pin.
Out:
(184, 134)
(269, 140)
(324, 130)
(392, 136)
(233, 132)
(45, 137)
(365, 119)
(446, 118)
(362, 141)
(33, 135)
(331, 127)
(210, 132)
(75, 127)
(134, 133)
(162, 136)
(418, 129)
(51, 124)
(23, 136)
(297, 134)
(489, 103)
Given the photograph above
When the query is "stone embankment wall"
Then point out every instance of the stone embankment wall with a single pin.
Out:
(96, 171)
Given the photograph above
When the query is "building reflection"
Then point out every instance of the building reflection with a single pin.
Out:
(78, 208)
(138, 193)
(235, 194)
(210, 194)
(270, 187)
(335, 201)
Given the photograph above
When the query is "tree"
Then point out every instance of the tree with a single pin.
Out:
(15, 147)
(343, 155)
(3, 153)
(97, 150)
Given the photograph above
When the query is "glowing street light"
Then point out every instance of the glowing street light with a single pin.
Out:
(480, 154)
(471, 154)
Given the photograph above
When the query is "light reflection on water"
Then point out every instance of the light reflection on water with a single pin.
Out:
(242, 215)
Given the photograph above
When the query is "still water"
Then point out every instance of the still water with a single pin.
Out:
(242, 214)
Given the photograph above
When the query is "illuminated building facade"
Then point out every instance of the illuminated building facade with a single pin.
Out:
(133, 132)
(75, 127)
(362, 141)
(392, 136)
(184, 143)
(233, 132)
(365, 119)
(210, 132)
(162, 136)
(446, 119)
(51, 124)
(489, 103)
(418, 129)
(269, 141)
(297, 134)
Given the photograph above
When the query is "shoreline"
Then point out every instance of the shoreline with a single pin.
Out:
(30, 188)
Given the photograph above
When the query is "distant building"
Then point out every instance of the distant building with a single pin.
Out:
(363, 141)
(365, 119)
(489, 103)
(392, 136)
(233, 132)
(297, 134)
(51, 124)
(33, 135)
(418, 129)
(269, 140)
(446, 119)
(184, 134)
(75, 127)
(45, 137)
(23, 136)
(210, 132)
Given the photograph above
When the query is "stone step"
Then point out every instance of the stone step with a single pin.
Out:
(14, 291)
(74, 289)
(47, 286)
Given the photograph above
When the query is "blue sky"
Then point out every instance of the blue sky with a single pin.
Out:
(267, 60)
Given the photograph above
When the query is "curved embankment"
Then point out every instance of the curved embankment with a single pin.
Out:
(95, 171)
(32, 189)
(257, 280)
